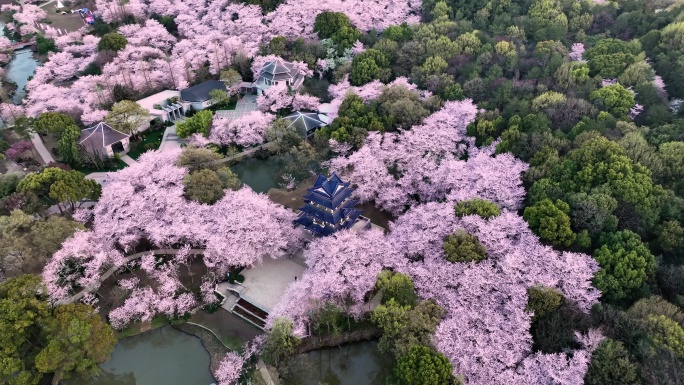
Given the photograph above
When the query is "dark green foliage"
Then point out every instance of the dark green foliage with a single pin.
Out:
(100, 28)
(266, 5)
(543, 301)
(550, 221)
(398, 287)
(112, 42)
(481, 207)
(92, 69)
(337, 27)
(53, 122)
(626, 264)
(45, 45)
(611, 365)
(423, 366)
(369, 65)
(405, 327)
(199, 123)
(463, 247)
(609, 57)
(280, 342)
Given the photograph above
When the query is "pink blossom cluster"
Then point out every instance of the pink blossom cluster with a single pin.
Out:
(28, 17)
(367, 92)
(576, 52)
(246, 130)
(231, 365)
(145, 303)
(342, 268)
(427, 159)
(635, 111)
(485, 333)
(279, 96)
(18, 148)
(155, 209)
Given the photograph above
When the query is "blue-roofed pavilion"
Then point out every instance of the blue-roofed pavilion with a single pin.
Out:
(328, 206)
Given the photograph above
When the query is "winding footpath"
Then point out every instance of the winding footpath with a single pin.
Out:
(112, 270)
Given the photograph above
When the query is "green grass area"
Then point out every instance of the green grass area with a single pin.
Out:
(134, 329)
(151, 140)
(230, 105)
(89, 170)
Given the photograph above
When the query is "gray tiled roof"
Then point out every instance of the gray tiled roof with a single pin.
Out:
(304, 121)
(101, 135)
(278, 70)
(200, 92)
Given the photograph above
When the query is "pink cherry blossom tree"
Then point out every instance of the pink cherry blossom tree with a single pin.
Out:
(244, 131)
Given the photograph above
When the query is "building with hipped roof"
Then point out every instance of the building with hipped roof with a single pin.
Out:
(102, 140)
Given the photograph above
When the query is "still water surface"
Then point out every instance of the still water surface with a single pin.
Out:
(354, 364)
(163, 356)
(260, 175)
(19, 70)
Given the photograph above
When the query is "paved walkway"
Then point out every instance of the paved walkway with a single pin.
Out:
(40, 147)
(244, 106)
(170, 140)
(128, 160)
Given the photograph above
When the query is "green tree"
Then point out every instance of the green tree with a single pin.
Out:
(611, 365)
(195, 158)
(463, 247)
(546, 20)
(543, 301)
(231, 77)
(78, 340)
(550, 221)
(203, 186)
(666, 333)
(610, 57)
(671, 238)
(68, 147)
(369, 65)
(127, 116)
(23, 311)
(112, 42)
(405, 327)
(615, 99)
(278, 45)
(27, 242)
(283, 136)
(328, 23)
(476, 206)
(197, 124)
(423, 366)
(53, 122)
(626, 264)
(280, 342)
(219, 97)
(64, 186)
(672, 157)
(45, 45)
(398, 287)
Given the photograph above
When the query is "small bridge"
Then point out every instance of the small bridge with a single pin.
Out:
(22, 44)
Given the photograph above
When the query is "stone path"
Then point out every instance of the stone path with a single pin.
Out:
(170, 140)
(245, 105)
(128, 160)
(40, 147)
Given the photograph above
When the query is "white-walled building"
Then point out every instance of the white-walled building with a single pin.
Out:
(165, 105)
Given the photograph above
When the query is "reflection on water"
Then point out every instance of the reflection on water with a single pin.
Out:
(19, 69)
(354, 364)
(260, 175)
(162, 356)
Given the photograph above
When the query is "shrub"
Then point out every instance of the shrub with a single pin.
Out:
(463, 247)
(543, 301)
(481, 207)
(423, 366)
(611, 365)
(397, 286)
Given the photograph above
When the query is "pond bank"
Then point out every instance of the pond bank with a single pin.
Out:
(315, 343)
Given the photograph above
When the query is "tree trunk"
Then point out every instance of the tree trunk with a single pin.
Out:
(57, 377)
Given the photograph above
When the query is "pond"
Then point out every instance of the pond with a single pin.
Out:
(259, 174)
(353, 364)
(19, 70)
(162, 356)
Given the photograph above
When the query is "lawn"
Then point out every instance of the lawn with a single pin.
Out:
(151, 141)
(89, 170)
